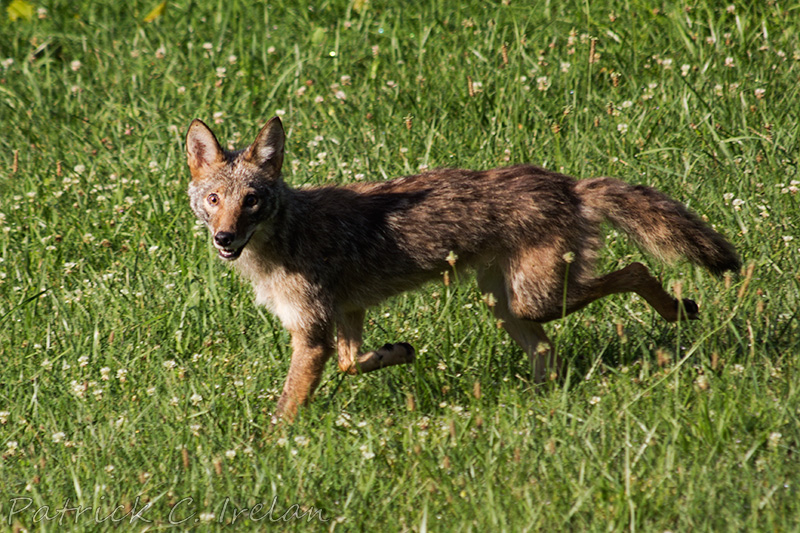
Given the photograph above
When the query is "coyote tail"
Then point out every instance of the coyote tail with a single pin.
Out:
(659, 224)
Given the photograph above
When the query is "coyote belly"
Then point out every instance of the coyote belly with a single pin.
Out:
(319, 257)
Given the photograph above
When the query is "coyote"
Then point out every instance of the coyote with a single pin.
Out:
(318, 257)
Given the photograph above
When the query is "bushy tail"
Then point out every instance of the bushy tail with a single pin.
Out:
(659, 224)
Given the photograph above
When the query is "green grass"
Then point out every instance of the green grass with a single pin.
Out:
(136, 368)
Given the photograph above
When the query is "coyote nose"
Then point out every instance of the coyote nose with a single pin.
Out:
(223, 238)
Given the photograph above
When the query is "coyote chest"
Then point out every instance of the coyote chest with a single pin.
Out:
(282, 292)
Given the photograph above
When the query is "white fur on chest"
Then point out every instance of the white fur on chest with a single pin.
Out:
(277, 294)
(283, 293)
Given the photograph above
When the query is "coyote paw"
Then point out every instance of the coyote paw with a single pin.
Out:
(411, 354)
(401, 352)
(688, 308)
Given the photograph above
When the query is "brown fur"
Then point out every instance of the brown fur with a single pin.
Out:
(319, 257)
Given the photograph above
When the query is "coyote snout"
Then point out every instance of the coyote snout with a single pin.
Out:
(319, 257)
(228, 225)
(224, 241)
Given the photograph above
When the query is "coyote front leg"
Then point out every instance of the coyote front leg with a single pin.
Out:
(310, 352)
(350, 325)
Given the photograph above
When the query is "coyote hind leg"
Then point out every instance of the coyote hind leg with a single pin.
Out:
(352, 361)
(528, 334)
(636, 278)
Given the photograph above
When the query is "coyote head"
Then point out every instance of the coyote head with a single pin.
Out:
(235, 193)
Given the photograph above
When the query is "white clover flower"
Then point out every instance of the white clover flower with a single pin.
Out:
(58, 436)
(75, 65)
(365, 452)
(542, 83)
(196, 399)
(78, 389)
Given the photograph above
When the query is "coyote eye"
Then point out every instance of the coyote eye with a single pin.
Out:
(213, 199)
(250, 200)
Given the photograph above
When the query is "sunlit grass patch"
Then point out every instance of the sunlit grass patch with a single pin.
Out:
(137, 371)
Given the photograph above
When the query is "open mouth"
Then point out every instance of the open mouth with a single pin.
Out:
(231, 251)
(230, 255)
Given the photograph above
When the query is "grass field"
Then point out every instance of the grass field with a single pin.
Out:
(138, 377)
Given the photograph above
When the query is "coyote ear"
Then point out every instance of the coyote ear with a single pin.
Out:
(203, 151)
(267, 150)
